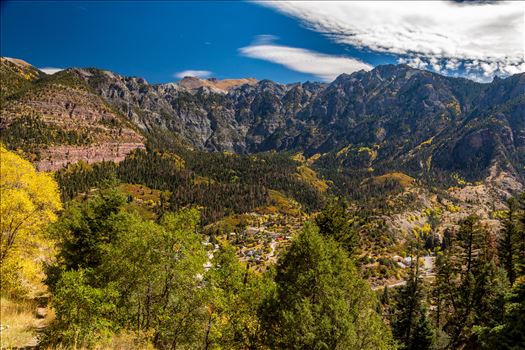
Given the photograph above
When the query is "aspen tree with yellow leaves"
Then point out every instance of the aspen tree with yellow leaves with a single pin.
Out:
(29, 203)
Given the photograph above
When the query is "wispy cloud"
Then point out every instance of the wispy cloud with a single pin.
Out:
(193, 73)
(50, 70)
(444, 36)
(326, 67)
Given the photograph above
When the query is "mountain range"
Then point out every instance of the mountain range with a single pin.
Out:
(392, 118)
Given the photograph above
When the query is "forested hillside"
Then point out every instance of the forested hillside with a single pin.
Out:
(58, 119)
(393, 117)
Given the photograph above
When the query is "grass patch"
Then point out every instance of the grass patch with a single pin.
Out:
(20, 324)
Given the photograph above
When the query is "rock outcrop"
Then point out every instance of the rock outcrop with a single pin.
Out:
(412, 120)
(392, 118)
(57, 157)
(58, 119)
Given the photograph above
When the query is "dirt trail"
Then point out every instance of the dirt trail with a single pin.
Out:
(39, 325)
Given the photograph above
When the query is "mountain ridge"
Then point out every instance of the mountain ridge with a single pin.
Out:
(224, 85)
(318, 117)
(57, 119)
(393, 117)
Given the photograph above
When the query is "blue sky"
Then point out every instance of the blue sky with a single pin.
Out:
(281, 41)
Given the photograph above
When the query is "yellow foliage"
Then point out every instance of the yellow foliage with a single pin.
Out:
(459, 180)
(453, 208)
(499, 214)
(200, 180)
(428, 163)
(454, 105)
(403, 179)
(178, 160)
(29, 202)
(427, 142)
(299, 157)
(313, 158)
(373, 154)
(343, 150)
(143, 193)
(422, 231)
(281, 204)
(435, 212)
(310, 176)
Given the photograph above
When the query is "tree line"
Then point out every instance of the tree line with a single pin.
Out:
(221, 183)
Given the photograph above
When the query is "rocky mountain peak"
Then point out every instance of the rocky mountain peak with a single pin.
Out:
(193, 83)
(392, 117)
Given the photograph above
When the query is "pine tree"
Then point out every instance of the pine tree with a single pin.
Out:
(335, 222)
(509, 242)
(508, 330)
(423, 334)
(520, 263)
(469, 284)
(410, 324)
(320, 302)
(385, 296)
(510, 333)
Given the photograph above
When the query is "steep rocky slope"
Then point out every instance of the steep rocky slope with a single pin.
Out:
(224, 86)
(243, 120)
(392, 118)
(58, 119)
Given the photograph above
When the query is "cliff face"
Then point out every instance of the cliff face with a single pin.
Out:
(391, 118)
(409, 119)
(54, 158)
(241, 120)
(59, 119)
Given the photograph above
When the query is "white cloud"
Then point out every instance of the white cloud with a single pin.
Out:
(50, 70)
(414, 62)
(442, 35)
(193, 73)
(326, 67)
(452, 64)
(265, 39)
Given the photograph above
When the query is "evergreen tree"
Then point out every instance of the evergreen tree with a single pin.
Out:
(117, 271)
(320, 302)
(335, 222)
(509, 334)
(520, 263)
(423, 335)
(469, 286)
(509, 241)
(385, 296)
(85, 227)
(410, 325)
